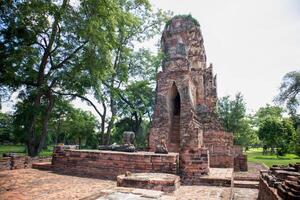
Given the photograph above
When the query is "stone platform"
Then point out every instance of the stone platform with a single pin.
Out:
(110, 164)
(42, 166)
(152, 181)
(216, 177)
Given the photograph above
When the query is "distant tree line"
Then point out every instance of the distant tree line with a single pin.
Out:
(275, 129)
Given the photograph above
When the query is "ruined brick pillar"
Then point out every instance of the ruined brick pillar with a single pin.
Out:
(185, 111)
(184, 86)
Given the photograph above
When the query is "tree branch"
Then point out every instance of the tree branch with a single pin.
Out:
(81, 97)
(68, 57)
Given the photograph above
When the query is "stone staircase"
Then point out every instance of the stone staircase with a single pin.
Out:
(246, 182)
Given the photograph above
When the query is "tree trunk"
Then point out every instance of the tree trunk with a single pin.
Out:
(45, 122)
(79, 142)
(58, 129)
(103, 118)
(136, 123)
(31, 146)
(113, 110)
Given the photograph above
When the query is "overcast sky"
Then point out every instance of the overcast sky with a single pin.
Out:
(251, 43)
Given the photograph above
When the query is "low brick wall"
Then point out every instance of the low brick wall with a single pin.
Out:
(110, 164)
(266, 192)
(220, 145)
(193, 165)
(4, 163)
(280, 182)
(222, 152)
(20, 162)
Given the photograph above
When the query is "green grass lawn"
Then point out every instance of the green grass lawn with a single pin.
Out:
(255, 155)
(20, 149)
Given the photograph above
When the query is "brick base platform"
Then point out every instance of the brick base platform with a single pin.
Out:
(217, 177)
(151, 181)
(20, 162)
(42, 166)
(110, 164)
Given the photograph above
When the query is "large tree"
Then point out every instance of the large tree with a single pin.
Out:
(277, 133)
(290, 91)
(232, 113)
(52, 46)
(289, 95)
(274, 130)
(129, 62)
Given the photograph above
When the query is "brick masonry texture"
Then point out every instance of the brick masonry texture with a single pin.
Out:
(185, 111)
(266, 192)
(110, 164)
(280, 182)
(20, 162)
(151, 181)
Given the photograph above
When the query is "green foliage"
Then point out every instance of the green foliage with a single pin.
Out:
(80, 127)
(129, 64)
(268, 111)
(136, 103)
(187, 17)
(6, 128)
(232, 112)
(277, 133)
(72, 126)
(290, 91)
(233, 116)
(126, 124)
(54, 50)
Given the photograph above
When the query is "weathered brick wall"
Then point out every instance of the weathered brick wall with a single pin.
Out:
(240, 160)
(240, 163)
(5, 163)
(193, 165)
(20, 162)
(220, 145)
(185, 69)
(110, 164)
(266, 192)
(280, 182)
(161, 127)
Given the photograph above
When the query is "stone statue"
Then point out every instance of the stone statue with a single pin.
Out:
(127, 146)
(128, 137)
(162, 147)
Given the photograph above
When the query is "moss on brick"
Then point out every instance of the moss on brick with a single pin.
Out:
(187, 17)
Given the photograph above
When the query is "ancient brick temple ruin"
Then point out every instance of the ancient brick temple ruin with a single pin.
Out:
(185, 118)
(280, 182)
(185, 112)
